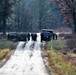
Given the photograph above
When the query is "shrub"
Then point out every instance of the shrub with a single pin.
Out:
(5, 44)
(56, 44)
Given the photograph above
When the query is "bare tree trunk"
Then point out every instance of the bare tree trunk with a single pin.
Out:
(4, 26)
(74, 18)
(4, 18)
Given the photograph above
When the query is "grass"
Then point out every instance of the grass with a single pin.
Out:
(3, 53)
(61, 57)
(5, 47)
(61, 67)
(72, 54)
(4, 44)
(56, 44)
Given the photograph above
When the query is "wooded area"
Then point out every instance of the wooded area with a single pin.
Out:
(34, 15)
(68, 10)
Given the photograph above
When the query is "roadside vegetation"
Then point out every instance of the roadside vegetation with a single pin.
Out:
(62, 56)
(5, 49)
(56, 44)
(60, 63)
(3, 53)
(4, 44)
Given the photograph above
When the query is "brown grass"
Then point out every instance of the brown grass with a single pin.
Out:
(57, 61)
(3, 53)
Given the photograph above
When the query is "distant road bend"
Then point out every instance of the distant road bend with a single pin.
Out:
(25, 61)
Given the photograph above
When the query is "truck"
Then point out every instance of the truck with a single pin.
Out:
(48, 35)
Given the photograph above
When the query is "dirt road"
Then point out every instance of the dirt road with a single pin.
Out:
(26, 60)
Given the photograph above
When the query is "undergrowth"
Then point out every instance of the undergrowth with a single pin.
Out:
(56, 44)
(59, 65)
(4, 44)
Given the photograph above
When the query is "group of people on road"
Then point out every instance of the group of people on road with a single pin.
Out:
(33, 36)
(22, 36)
(26, 37)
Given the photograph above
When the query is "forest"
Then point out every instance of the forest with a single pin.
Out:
(34, 15)
(37, 37)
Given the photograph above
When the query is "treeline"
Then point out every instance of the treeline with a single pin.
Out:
(68, 10)
(24, 15)
(29, 15)
(5, 13)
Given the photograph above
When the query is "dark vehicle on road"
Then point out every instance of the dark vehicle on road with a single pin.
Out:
(19, 36)
(23, 37)
(12, 36)
(47, 35)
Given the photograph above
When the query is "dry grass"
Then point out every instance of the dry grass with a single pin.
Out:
(3, 53)
(5, 47)
(57, 61)
(4, 56)
(62, 57)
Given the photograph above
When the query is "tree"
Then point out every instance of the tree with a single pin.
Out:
(68, 10)
(42, 11)
(5, 12)
(44, 14)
